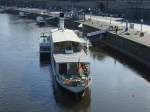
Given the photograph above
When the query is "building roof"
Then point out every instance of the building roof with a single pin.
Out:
(64, 35)
(75, 57)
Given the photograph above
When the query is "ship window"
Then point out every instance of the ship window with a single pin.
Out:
(62, 68)
(68, 45)
(73, 68)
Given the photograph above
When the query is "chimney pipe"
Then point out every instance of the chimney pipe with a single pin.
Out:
(61, 21)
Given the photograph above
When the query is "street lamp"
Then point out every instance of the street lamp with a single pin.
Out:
(142, 25)
(110, 18)
(90, 13)
(141, 34)
(126, 29)
(84, 16)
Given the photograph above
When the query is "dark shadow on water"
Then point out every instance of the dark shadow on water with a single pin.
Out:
(97, 53)
(44, 63)
(142, 70)
(22, 21)
(44, 60)
(25, 22)
(19, 20)
(69, 100)
(44, 57)
(44, 25)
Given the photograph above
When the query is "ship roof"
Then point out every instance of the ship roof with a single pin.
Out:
(74, 57)
(64, 35)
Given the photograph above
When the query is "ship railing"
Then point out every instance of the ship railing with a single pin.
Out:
(74, 80)
(44, 39)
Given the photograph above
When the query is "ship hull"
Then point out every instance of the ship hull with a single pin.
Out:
(41, 23)
(75, 90)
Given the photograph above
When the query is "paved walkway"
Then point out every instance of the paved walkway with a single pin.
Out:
(36, 11)
(133, 35)
(117, 21)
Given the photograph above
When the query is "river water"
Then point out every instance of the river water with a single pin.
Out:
(27, 85)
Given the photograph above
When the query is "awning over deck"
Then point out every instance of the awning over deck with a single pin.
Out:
(65, 35)
(68, 58)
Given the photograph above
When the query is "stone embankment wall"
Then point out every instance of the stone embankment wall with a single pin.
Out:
(134, 50)
(138, 52)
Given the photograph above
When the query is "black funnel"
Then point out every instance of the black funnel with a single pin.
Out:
(61, 15)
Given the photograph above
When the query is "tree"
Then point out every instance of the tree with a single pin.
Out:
(101, 6)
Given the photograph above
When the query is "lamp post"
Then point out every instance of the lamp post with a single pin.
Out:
(141, 34)
(84, 16)
(90, 13)
(142, 25)
(110, 19)
(126, 29)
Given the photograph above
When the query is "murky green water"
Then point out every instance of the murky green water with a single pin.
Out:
(27, 85)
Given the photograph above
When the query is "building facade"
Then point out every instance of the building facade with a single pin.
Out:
(133, 9)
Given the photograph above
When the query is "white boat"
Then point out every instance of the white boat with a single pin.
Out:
(44, 43)
(40, 21)
(22, 14)
(70, 62)
(45, 47)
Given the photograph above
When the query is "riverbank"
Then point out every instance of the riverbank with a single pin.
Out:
(128, 42)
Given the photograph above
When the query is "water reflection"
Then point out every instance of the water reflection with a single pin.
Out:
(97, 53)
(70, 101)
(17, 20)
(44, 60)
(27, 84)
(101, 53)
(44, 63)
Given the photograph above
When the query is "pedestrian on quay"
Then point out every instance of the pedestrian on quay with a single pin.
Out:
(116, 29)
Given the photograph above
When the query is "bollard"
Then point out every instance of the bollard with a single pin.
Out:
(141, 34)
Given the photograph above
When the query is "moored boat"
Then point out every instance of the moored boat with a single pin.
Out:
(40, 21)
(70, 63)
(45, 47)
(22, 14)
